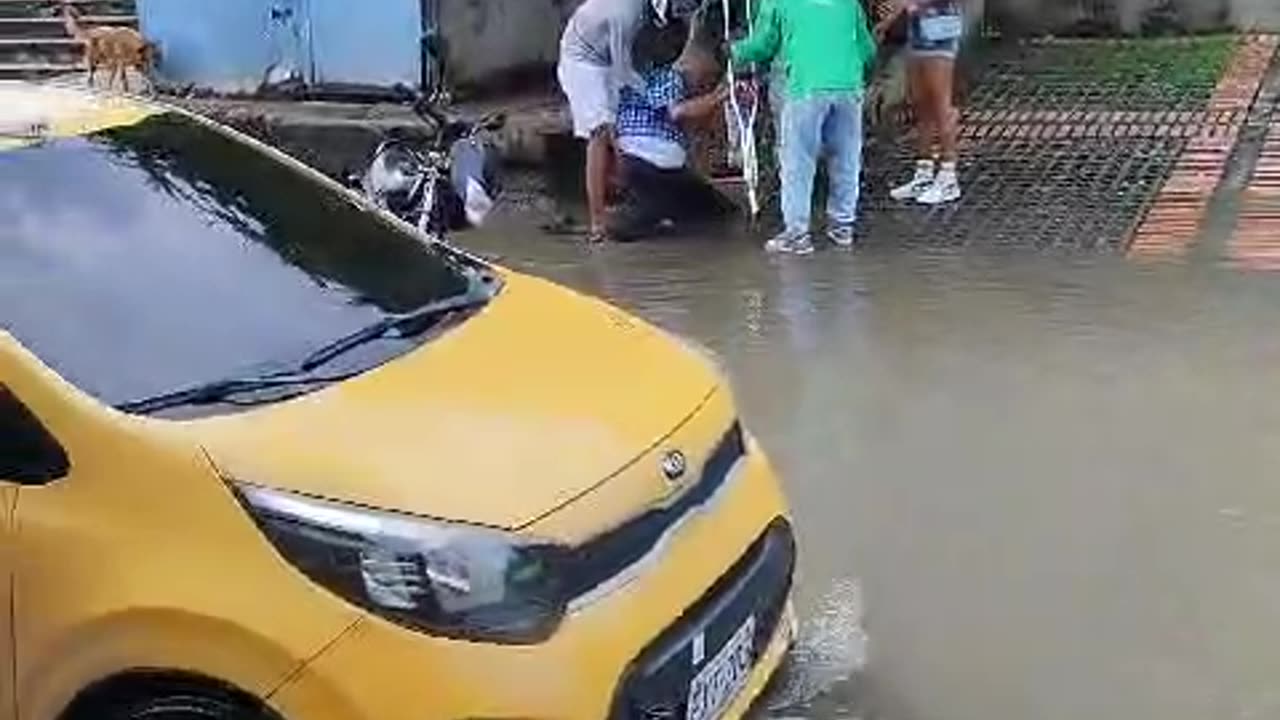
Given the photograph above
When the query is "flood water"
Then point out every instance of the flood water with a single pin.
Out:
(1051, 480)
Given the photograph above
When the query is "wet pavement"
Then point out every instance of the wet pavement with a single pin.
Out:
(1049, 477)
(1035, 466)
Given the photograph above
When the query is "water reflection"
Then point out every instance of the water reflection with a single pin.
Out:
(186, 258)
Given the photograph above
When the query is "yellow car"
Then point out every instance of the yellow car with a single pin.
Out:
(264, 455)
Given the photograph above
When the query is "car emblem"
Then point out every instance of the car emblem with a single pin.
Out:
(674, 466)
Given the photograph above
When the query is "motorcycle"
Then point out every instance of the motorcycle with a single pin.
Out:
(450, 183)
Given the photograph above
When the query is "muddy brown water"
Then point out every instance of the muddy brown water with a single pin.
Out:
(1051, 480)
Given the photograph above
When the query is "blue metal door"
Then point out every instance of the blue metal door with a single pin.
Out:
(370, 44)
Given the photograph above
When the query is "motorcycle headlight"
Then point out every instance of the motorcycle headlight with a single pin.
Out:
(392, 172)
(440, 578)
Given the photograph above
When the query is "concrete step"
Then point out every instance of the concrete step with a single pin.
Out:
(51, 27)
(36, 71)
(40, 50)
(45, 8)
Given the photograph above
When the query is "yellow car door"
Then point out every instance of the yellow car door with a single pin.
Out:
(8, 493)
(29, 455)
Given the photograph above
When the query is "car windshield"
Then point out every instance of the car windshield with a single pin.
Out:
(151, 257)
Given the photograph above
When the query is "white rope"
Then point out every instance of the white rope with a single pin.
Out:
(744, 123)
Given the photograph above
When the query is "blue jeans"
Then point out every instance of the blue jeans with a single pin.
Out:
(830, 121)
(920, 46)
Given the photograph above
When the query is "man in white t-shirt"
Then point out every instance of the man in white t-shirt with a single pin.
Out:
(595, 66)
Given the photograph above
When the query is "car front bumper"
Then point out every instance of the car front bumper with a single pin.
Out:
(733, 559)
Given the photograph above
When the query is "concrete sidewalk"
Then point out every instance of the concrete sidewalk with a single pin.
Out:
(1114, 145)
(336, 137)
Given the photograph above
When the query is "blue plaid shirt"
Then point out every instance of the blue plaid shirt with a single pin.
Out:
(647, 112)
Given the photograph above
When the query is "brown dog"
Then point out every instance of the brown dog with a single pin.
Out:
(118, 49)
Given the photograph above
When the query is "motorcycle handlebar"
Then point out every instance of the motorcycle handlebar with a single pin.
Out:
(423, 105)
(427, 107)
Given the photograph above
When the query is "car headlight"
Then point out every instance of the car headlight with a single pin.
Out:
(440, 578)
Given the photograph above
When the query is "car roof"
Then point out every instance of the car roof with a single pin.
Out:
(30, 112)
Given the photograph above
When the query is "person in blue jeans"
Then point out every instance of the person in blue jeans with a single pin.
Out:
(826, 47)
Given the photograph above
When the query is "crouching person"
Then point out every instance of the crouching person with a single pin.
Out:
(661, 193)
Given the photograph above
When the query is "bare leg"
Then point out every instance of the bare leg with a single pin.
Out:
(612, 177)
(93, 68)
(940, 74)
(939, 81)
(921, 105)
(926, 133)
(600, 160)
(124, 76)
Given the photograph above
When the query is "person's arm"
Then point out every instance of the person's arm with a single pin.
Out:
(622, 35)
(702, 107)
(667, 91)
(900, 7)
(762, 45)
(864, 41)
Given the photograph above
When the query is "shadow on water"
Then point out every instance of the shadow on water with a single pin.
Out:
(1052, 475)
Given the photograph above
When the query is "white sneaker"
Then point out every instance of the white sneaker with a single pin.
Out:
(944, 189)
(921, 181)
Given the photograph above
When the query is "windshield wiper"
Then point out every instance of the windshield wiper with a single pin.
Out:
(221, 391)
(405, 326)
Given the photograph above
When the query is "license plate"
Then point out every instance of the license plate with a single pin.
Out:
(717, 684)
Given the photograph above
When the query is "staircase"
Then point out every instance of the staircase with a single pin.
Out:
(34, 44)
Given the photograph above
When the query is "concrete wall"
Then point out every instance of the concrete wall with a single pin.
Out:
(1260, 14)
(490, 39)
(1131, 16)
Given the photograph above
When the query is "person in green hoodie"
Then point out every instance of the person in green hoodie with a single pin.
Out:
(826, 48)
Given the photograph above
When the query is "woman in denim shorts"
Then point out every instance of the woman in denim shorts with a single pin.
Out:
(934, 29)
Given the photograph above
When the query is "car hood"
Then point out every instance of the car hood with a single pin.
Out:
(533, 402)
